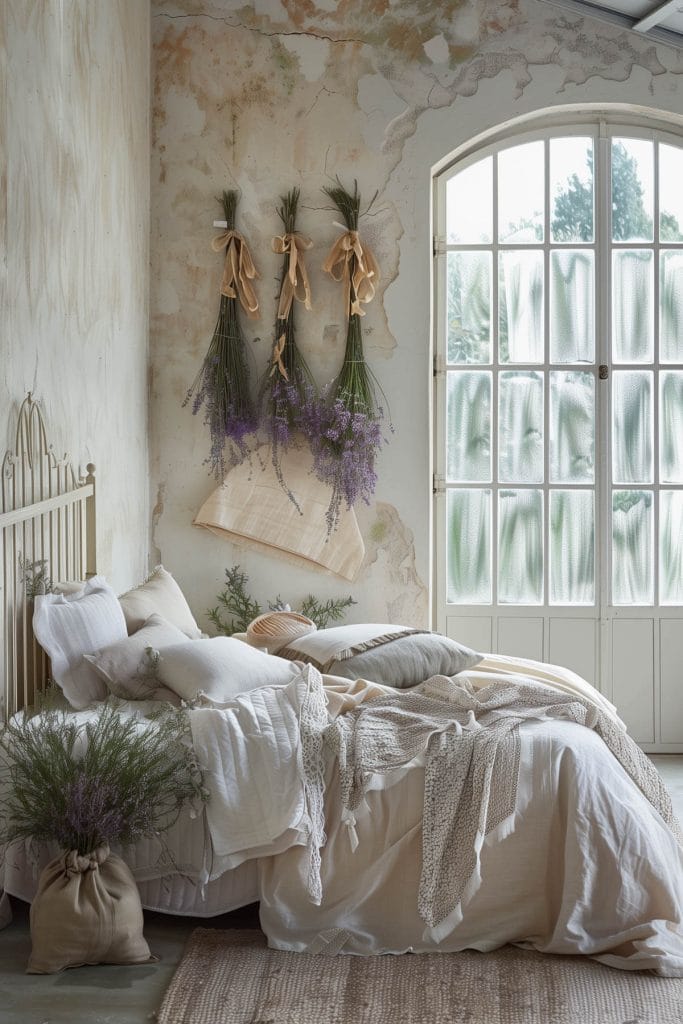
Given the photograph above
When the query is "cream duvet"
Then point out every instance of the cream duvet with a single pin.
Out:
(508, 805)
(583, 862)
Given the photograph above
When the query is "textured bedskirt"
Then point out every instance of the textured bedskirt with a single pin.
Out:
(169, 877)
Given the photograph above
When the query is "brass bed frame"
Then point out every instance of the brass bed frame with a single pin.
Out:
(47, 534)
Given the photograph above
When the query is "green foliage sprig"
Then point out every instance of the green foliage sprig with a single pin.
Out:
(109, 780)
(35, 577)
(235, 600)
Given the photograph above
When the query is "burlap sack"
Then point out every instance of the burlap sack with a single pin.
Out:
(87, 911)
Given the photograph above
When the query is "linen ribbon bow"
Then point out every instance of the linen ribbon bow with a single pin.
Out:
(238, 270)
(346, 252)
(295, 285)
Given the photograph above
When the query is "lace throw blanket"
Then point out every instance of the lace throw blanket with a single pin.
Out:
(472, 746)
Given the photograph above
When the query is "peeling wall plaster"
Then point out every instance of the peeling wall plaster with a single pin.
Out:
(265, 95)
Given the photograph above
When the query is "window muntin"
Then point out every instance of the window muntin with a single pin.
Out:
(540, 289)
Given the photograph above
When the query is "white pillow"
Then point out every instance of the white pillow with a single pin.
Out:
(69, 626)
(219, 668)
(125, 667)
(159, 594)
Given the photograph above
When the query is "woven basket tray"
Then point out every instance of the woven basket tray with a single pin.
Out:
(274, 630)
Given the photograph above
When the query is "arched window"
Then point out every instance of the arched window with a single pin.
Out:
(559, 404)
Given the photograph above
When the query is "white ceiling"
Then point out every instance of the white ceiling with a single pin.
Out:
(660, 20)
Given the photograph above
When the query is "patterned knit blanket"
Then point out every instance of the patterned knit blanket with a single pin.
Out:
(470, 739)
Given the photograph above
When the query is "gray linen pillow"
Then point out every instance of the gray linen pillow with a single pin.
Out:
(408, 660)
(395, 657)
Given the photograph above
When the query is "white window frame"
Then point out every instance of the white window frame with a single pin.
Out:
(602, 126)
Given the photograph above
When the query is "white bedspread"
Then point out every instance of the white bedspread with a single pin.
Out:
(588, 865)
(589, 868)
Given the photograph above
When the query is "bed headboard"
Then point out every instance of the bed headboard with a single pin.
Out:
(47, 534)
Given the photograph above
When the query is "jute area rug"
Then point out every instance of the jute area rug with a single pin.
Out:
(231, 977)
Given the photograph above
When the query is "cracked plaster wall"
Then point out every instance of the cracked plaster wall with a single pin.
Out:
(74, 248)
(266, 95)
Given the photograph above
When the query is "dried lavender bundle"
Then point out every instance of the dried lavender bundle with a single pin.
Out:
(222, 385)
(348, 433)
(287, 390)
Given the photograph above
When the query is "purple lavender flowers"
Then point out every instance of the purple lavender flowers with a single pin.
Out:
(222, 385)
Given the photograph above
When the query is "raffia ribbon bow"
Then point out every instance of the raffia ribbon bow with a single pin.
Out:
(360, 285)
(238, 270)
(295, 284)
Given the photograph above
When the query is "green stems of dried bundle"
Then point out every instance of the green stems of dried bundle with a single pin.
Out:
(350, 433)
(222, 385)
(287, 389)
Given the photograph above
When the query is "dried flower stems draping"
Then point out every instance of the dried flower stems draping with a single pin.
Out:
(222, 384)
(287, 391)
(344, 426)
(348, 435)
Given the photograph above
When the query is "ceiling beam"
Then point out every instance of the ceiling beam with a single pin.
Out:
(584, 8)
(658, 15)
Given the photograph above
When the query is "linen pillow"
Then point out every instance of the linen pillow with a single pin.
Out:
(383, 653)
(69, 626)
(219, 668)
(125, 666)
(159, 594)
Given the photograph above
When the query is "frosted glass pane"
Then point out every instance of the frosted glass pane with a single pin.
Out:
(521, 193)
(671, 306)
(468, 286)
(572, 427)
(571, 189)
(572, 547)
(469, 204)
(520, 547)
(520, 427)
(670, 194)
(572, 318)
(632, 304)
(468, 441)
(671, 547)
(632, 517)
(632, 190)
(671, 427)
(632, 427)
(520, 299)
(469, 547)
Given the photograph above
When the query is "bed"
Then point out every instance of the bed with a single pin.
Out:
(342, 803)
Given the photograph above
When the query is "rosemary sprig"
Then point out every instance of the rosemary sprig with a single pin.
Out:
(236, 600)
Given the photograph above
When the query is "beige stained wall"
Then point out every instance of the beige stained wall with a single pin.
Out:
(265, 95)
(74, 247)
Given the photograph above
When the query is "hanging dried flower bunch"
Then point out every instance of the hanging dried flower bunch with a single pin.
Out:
(348, 434)
(222, 385)
(287, 390)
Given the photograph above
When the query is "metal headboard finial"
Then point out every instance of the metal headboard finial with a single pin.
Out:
(47, 534)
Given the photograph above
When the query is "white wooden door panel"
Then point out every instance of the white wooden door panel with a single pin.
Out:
(474, 631)
(671, 675)
(521, 637)
(573, 642)
(633, 675)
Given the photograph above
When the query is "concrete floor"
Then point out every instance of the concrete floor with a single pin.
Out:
(98, 995)
(131, 995)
